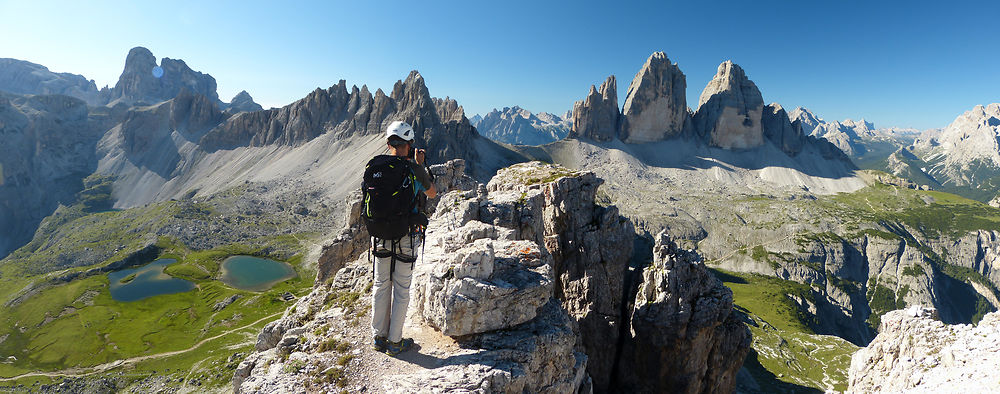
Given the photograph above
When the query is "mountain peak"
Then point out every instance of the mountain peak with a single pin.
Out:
(731, 79)
(142, 81)
(656, 103)
(243, 102)
(140, 58)
(730, 109)
(518, 126)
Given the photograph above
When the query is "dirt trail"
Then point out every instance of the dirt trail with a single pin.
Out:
(80, 372)
(749, 248)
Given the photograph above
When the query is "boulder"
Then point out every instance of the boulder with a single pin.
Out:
(485, 286)
(730, 110)
(656, 103)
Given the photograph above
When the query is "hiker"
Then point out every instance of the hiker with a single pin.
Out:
(391, 191)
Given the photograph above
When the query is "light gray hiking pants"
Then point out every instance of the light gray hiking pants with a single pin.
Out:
(389, 300)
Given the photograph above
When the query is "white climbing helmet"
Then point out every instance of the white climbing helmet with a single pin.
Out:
(400, 129)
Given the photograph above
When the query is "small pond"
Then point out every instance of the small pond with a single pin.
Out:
(149, 280)
(254, 273)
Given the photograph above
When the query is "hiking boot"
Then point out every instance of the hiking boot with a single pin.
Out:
(381, 344)
(395, 348)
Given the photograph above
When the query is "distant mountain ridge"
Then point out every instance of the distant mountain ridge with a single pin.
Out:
(22, 77)
(518, 126)
(143, 81)
(963, 158)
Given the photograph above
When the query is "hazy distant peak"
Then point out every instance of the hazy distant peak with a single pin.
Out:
(243, 102)
(23, 77)
(516, 125)
(143, 81)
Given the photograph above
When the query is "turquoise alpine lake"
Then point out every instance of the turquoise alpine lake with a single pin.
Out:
(254, 273)
(149, 280)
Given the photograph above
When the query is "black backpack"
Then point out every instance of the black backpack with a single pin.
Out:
(389, 197)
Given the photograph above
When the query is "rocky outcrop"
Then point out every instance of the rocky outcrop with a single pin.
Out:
(685, 335)
(21, 77)
(590, 247)
(528, 275)
(915, 352)
(485, 285)
(597, 117)
(297, 122)
(515, 125)
(535, 357)
(152, 137)
(193, 114)
(476, 282)
(242, 102)
(144, 82)
(978, 250)
(656, 103)
(730, 110)
(348, 245)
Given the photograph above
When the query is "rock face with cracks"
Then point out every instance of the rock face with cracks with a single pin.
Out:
(685, 336)
(655, 106)
(590, 246)
(597, 116)
(730, 110)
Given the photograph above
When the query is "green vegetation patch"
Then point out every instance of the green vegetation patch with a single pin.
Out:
(787, 355)
(79, 325)
(913, 270)
(527, 174)
(934, 214)
(881, 299)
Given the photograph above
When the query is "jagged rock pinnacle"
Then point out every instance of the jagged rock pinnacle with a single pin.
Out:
(656, 106)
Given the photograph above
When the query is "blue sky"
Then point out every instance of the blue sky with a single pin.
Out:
(907, 64)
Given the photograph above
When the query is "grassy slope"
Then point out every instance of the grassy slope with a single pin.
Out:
(885, 211)
(787, 355)
(61, 328)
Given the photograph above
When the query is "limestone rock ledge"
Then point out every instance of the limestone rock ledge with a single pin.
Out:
(914, 352)
(524, 285)
(536, 357)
